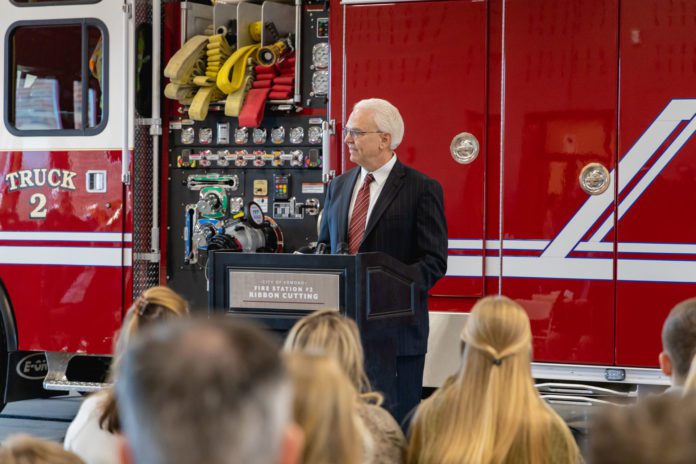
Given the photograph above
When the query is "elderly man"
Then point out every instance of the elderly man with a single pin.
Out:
(210, 391)
(383, 205)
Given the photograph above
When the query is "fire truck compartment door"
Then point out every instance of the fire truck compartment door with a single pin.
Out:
(63, 247)
(417, 56)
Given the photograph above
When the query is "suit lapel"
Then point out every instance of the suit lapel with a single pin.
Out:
(344, 205)
(391, 188)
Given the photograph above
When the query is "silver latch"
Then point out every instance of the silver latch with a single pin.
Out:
(96, 182)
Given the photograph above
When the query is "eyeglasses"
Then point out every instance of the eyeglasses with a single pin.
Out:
(357, 133)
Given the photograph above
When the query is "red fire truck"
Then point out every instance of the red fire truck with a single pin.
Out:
(561, 133)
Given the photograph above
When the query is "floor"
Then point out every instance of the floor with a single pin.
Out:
(45, 418)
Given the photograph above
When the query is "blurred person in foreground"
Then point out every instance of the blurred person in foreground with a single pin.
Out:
(678, 343)
(324, 406)
(327, 332)
(211, 391)
(92, 435)
(659, 429)
(24, 449)
(490, 412)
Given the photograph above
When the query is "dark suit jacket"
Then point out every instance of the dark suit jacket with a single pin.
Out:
(407, 223)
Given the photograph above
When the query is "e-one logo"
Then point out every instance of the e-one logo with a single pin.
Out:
(33, 366)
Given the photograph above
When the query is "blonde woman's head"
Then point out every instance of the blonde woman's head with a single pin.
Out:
(496, 334)
(23, 449)
(154, 304)
(490, 411)
(325, 408)
(327, 332)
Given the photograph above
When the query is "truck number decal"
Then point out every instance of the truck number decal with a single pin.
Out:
(39, 212)
(59, 179)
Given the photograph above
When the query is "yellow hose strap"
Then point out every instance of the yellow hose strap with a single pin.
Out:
(198, 69)
(218, 52)
(183, 93)
(201, 102)
(182, 63)
(204, 81)
(255, 31)
(235, 100)
(236, 63)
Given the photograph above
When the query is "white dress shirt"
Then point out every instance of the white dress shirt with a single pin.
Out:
(380, 178)
(85, 436)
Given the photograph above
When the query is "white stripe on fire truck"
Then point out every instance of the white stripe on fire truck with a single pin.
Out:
(65, 256)
(459, 244)
(630, 165)
(646, 180)
(66, 236)
(643, 270)
(604, 247)
(630, 247)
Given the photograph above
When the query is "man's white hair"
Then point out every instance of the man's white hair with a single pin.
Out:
(386, 116)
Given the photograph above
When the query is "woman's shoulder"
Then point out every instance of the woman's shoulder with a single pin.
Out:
(377, 415)
(92, 405)
(388, 438)
(94, 401)
(86, 418)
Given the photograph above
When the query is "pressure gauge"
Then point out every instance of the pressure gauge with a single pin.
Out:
(236, 204)
(278, 135)
(254, 214)
(314, 134)
(241, 135)
(259, 136)
(296, 135)
(320, 55)
(205, 135)
(320, 83)
(188, 135)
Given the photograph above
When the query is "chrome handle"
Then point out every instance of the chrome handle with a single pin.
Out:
(574, 400)
(594, 179)
(464, 148)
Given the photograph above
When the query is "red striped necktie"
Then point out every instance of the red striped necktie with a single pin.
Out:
(357, 220)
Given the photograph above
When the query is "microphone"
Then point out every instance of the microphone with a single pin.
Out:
(342, 249)
(321, 249)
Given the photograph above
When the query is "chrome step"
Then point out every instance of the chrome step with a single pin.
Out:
(69, 385)
(56, 377)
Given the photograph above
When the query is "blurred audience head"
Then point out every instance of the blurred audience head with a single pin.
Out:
(490, 412)
(155, 305)
(23, 449)
(679, 341)
(324, 406)
(205, 390)
(659, 429)
(327, 332)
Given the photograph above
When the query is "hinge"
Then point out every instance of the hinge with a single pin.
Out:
(128, 9)
(149, 257)
(329, 126)
(154, 123)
